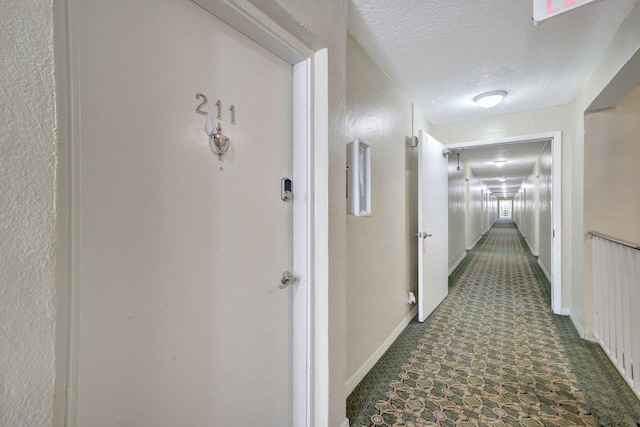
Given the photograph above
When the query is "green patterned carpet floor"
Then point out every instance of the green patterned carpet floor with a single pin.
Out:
(493, 354)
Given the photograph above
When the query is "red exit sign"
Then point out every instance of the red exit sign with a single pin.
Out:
(543, 9)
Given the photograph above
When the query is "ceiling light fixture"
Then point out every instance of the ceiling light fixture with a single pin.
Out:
(490, 99)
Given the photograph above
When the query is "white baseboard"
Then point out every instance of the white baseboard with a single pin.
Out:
(474, 243)
(577, 325)
(533, 252)
(489, 227)
(457, 263)
(544, 270)
(519, 229)
(345, 423)
(355, 379)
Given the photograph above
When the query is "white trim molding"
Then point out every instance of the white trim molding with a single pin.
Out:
(577, 324)
(457, 263)
(355, 379)
(544, 270)
(531, 248)
(473, 245)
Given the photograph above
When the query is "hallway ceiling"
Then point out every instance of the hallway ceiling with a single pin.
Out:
(442, 53)
(520, 160)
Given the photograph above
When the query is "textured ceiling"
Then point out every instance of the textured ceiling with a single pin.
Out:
(520, 160)
(442, 53)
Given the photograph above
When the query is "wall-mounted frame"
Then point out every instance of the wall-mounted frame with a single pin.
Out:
(358, 178)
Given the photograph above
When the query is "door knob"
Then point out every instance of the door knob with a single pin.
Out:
(286, 280)
(423, 235)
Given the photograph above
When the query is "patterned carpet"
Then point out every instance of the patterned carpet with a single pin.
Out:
(492, 354)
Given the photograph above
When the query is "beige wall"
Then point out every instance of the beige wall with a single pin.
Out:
(611, 159)
(379, 276)
(472, 210)
(27, 214)
(457, 210)
(532, 208)
(529, 216)
(475, 193)
(490, 210)
(544, 216)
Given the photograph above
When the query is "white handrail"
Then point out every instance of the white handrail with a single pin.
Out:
(626, 243)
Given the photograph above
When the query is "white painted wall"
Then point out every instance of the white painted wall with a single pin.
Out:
(490, 211)
(528, 196)
(532, 208)
(475, 193)
(457, 210)
(612, 155)
(27, 213)
(381, 248)
(472, 210)
(545, 196)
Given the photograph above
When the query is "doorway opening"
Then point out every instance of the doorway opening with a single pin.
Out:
(554, 273)
(506, 207)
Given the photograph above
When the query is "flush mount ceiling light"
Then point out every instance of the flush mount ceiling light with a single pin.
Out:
(490, 99)
(499, 163)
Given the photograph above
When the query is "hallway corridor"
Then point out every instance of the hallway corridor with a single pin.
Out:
(493, 354)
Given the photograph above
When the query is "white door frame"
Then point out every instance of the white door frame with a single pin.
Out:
(310, 209)
(556, 206)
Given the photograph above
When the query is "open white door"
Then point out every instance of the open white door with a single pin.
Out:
(433, 225)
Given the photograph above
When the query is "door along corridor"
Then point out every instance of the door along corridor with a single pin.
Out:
(493, 354)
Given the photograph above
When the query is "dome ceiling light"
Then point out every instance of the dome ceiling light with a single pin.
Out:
(490, 99)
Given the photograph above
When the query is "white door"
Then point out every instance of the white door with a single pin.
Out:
(433, 225)
(178, 318)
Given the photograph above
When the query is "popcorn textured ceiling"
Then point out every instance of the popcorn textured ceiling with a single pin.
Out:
(442, 53)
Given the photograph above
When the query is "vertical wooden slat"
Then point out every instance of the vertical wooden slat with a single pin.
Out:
(597, 306)
(616, 293)
(628, 325)
(610, 298)
(634, 299)
(598, 265)
(618, 327)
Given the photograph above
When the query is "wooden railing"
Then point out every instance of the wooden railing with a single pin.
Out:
(616, 295)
